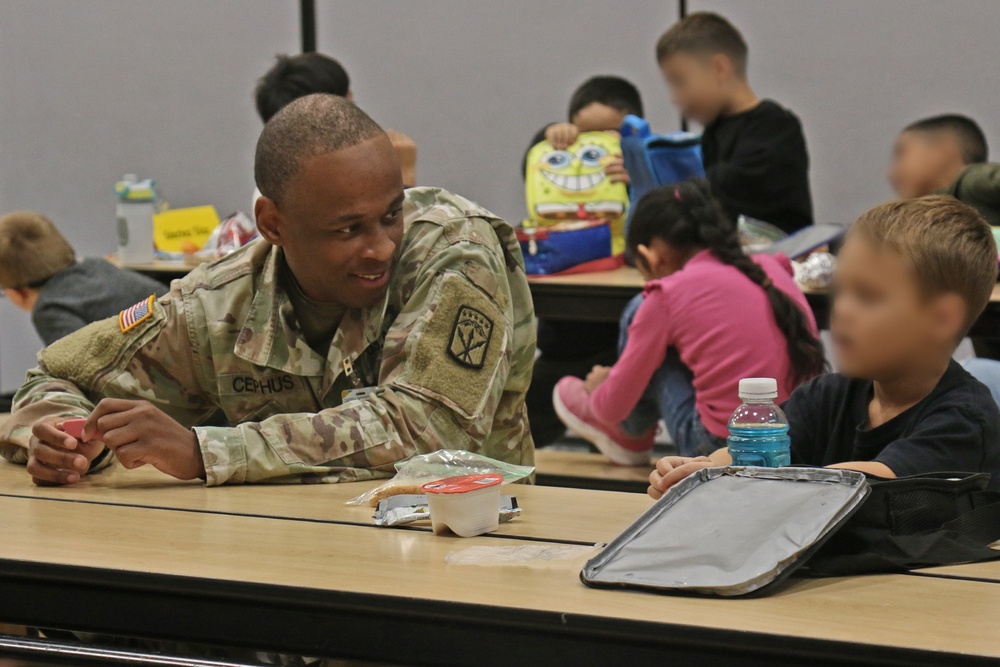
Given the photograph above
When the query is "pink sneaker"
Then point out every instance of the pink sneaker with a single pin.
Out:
(571, 402)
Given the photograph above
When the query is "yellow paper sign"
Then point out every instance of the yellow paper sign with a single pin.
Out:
(184, 229)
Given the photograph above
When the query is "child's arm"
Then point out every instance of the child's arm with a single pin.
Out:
(867, 467)
(406, 149)
(672, 469)
(649, 336)
(561, 135)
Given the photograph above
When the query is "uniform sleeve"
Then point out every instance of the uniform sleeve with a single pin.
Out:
(54, 321)
(152, 360)
(445, 364)
(947, 440)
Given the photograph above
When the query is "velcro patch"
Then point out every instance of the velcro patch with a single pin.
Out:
(132, 316)
(470, 337)
(458, 353)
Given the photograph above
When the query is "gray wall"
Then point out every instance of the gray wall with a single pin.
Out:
(90, 89)
(473, 80)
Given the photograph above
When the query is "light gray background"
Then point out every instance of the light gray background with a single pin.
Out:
(473, 80)
(90, 89)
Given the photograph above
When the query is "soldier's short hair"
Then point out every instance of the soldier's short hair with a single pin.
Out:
(31, 250)
(309, 126)
(948, 245)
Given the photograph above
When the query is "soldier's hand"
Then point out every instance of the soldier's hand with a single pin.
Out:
(141, 434)
(561, 135)
(54, 457)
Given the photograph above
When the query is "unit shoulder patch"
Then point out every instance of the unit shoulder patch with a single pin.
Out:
(470, 337)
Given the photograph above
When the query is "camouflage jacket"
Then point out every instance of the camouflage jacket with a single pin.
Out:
(449, 352)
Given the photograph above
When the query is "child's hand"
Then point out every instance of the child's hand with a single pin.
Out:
(615, 170)
(672, 469)
(406, 149)
(561, 135)
(597, 375)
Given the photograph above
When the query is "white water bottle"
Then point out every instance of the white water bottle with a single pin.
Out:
(134, 211)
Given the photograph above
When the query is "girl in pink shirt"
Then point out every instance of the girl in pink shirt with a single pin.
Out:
(710, 316)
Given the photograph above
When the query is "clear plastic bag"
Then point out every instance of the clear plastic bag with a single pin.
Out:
(232, 234)
(411, 475)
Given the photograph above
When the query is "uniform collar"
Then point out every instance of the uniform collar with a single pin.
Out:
(270, 335)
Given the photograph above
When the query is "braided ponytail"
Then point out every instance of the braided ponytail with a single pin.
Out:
(686, 216)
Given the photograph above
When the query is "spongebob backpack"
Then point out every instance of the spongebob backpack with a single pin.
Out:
(576, 215)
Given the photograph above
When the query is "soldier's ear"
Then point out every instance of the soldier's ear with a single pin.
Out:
(268, 220)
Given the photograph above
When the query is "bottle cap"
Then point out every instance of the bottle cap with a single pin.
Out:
(757, 388)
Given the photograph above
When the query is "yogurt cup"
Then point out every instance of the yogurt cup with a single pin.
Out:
(468, 505)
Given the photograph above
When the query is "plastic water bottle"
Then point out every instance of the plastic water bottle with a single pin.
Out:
(137, 202)
(758, 430)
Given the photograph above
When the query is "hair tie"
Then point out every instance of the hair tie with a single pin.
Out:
(677, 194)
(767, 283)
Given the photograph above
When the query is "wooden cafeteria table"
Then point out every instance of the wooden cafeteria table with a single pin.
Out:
(585, 470)
(160, 269)
(601, 297)
(352, 591)
(574, 516)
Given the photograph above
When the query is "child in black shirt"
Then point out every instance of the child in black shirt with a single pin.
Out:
(753, 150)
(911, 279)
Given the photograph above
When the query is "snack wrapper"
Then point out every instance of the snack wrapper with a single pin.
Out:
(411, 475)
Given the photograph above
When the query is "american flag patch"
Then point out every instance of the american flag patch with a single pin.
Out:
(130, 317)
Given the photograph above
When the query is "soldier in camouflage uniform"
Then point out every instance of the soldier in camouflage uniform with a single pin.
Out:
(222, 379)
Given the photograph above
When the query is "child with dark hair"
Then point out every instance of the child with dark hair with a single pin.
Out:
(293, 77)
(599, 104)
(754, 150)
(947, 155)
(710, 316)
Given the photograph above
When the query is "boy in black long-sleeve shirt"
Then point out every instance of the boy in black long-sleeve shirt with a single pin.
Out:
(754, 150)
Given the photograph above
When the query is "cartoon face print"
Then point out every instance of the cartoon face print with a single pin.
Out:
(572, 184)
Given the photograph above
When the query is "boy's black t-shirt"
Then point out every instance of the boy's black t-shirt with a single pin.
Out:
(758, 165)
(956, 428)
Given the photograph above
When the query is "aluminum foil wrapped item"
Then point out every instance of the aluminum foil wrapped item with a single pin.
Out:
(816, 272)
(407, 508)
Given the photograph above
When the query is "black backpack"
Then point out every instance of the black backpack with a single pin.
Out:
(915, 522)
